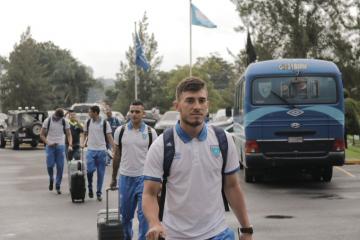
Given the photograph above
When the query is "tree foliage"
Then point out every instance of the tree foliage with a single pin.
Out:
(149, 83)
(42, 75)
(306, 29)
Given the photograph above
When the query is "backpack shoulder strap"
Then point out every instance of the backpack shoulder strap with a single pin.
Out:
(223, 145)
(122, 129)
(87, 126)
(64, 124)
(104, 130)
(48, 126)
(169, 153)
(150, 136)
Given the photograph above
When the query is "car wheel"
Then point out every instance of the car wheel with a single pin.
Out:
(15, 142)
(327, 174)
(2, 141)
(36, 129)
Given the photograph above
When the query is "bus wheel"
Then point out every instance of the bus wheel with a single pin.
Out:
(327, 174)
(248, 176)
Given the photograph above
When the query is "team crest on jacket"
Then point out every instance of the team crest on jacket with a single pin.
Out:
(215, 150)
(144, 135)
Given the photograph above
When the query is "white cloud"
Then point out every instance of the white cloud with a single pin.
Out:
(98, 33)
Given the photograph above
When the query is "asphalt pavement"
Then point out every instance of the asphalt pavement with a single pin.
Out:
(282, 208)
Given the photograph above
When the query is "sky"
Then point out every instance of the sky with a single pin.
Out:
(98, 33)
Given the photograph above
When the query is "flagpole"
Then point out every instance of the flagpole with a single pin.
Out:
(135, 67)
(190, 40)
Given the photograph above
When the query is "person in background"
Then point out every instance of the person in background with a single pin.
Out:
(131, 150)
(53, 133)
(98, 133)
(76, 129)
(114, 124)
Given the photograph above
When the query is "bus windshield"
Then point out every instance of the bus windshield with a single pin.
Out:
(294, 90)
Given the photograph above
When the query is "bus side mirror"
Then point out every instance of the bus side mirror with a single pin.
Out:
(228, 112)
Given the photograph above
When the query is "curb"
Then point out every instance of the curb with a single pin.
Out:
(352, 161)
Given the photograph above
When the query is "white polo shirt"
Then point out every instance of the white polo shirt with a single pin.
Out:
(96, 138)
(194, 207)
(56, 132)
(134, 144)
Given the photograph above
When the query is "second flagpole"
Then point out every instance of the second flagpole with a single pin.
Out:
(190, 39)
(135, 80)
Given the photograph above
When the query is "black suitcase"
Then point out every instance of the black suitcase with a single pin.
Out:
(109, 225)
(77, 188)
(77, 179)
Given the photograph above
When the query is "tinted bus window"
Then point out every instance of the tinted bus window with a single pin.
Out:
(294, 90)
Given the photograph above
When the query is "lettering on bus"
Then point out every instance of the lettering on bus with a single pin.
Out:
(293, 66)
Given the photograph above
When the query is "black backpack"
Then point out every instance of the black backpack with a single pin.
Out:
(104, 129)
(169, 153)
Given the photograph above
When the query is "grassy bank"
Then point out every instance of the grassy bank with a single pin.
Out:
(353, 151)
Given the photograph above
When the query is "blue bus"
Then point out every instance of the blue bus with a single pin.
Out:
(289, 113)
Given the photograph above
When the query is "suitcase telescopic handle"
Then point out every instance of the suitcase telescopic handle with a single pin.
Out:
(107, 201)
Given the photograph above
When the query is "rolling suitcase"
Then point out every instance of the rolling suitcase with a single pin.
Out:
(77, 179)
(109, 225)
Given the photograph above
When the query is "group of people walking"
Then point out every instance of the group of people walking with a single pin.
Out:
(198, 169)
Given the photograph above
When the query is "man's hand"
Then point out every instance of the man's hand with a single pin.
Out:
(155, 232)
(113, 183)
(70, 148)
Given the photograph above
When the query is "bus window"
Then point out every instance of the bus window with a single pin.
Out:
(295, 90)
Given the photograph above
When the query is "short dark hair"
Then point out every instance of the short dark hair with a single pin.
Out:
(192, 84)
(137, 103)
(95, 109)
(59, 112)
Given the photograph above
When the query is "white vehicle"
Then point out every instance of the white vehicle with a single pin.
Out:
(168, 120)
(82, 109)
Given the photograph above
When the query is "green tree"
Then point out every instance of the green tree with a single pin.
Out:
(293, 28)
(306, 29)
(43, 75)
(148, 81)
(24, 82)
(69, 79)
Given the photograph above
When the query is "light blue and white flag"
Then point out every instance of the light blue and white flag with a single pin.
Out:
(140, 56)
(199, 19)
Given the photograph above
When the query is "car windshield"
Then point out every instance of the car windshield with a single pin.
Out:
(294, 90)
(28, 118)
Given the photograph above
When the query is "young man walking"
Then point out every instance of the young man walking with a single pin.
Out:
(53, 133)
(132, 141)
(98, 133)
(194, 208)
